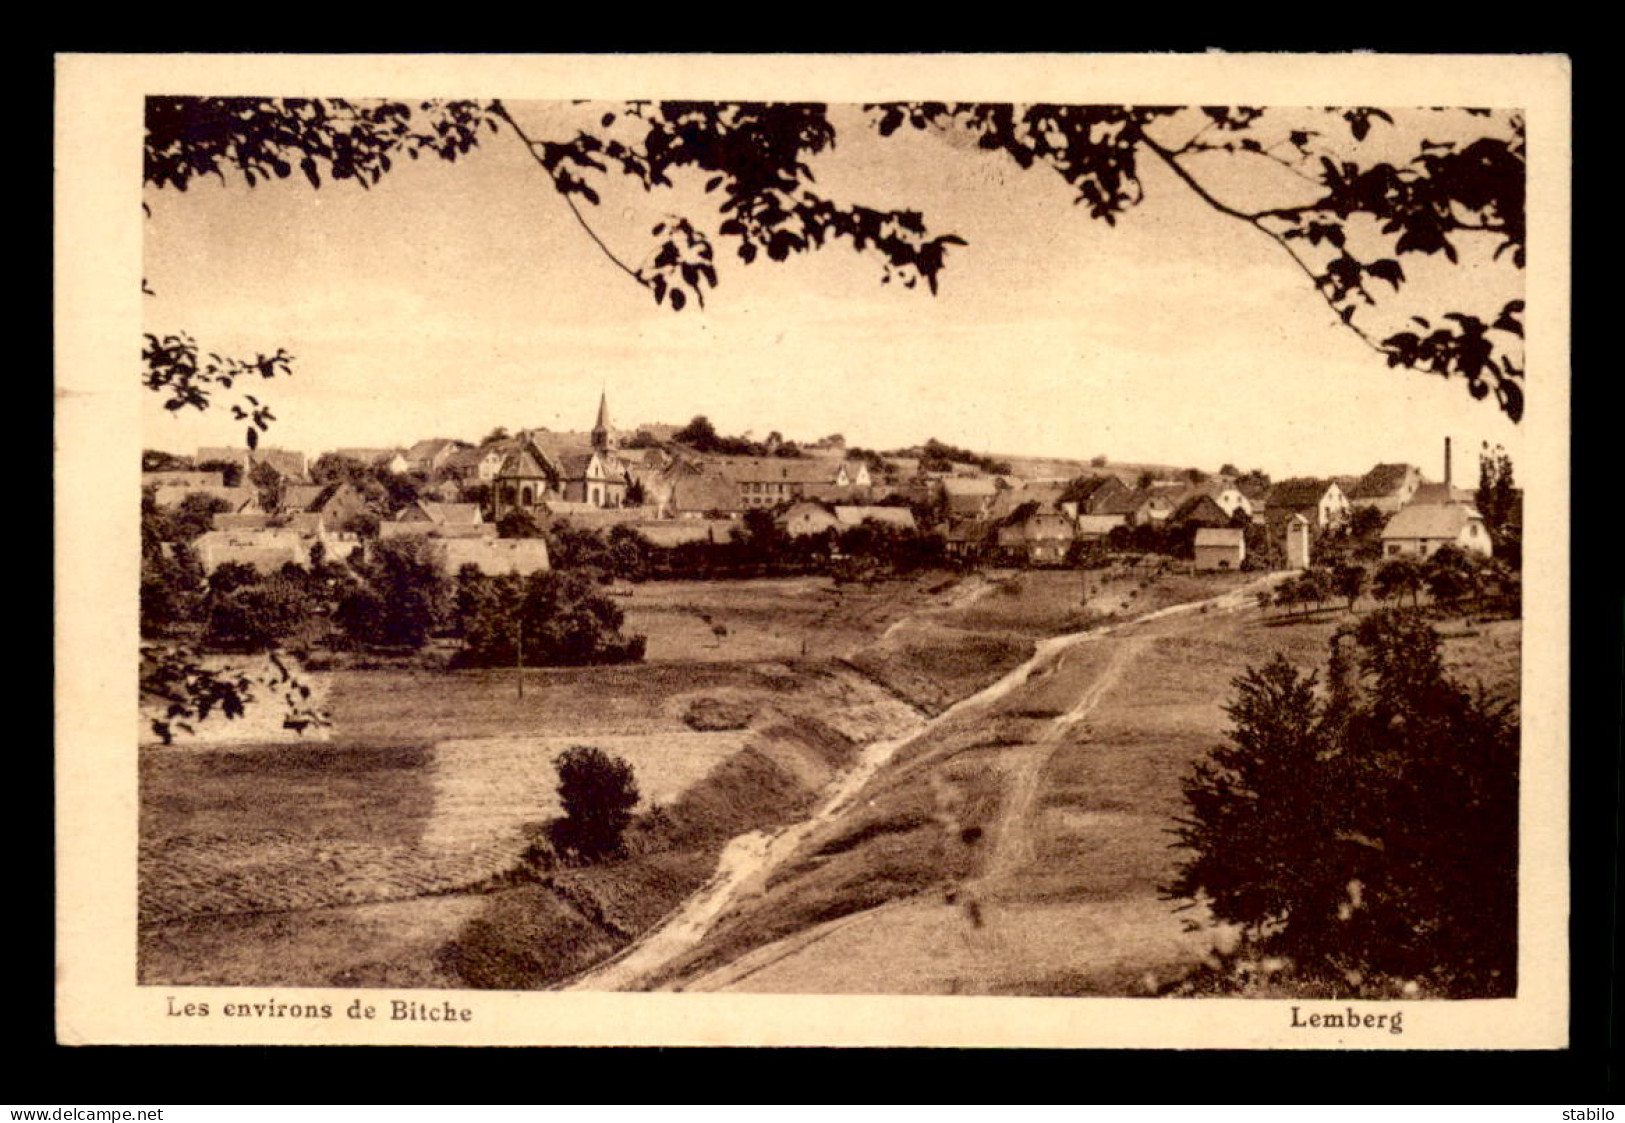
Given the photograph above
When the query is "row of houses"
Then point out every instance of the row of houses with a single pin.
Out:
(591, 479)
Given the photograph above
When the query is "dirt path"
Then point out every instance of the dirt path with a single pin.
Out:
(1012, 843)
(748, 861)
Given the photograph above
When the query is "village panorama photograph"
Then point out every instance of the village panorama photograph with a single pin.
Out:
(911, 548)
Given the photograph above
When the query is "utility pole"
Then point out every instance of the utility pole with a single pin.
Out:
(519, 652)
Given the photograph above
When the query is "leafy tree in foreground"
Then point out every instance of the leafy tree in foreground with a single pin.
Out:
(598, 793)
(1373, 834)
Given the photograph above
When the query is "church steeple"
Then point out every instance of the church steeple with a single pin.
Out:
(601, 439)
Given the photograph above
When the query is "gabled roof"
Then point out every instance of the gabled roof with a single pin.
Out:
(1301, 492)
(777, 469)
(968, 485)
(430, 448)
(333, 494)
(1430, 520)
(451, 512)
(526, 462)
(1089, 489)
(968, 530)
(696, 489)
(1199, 506)
(1429, 494)
(367, 455)
(299, 497)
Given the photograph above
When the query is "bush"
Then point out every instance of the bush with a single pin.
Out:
(598, 793)
(1374, 833)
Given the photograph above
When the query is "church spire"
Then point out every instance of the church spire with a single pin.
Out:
(600, 430)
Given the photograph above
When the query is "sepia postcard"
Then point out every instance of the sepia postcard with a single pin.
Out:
(1032, 550)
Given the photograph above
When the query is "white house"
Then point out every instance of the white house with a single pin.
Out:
(1420, 529)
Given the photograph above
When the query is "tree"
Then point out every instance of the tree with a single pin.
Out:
(699, 434)
(1349, 580)
(172, 587)
(550, 618)
(1376, 832)
(254, 615)
(401, 596)
(193, 516)
(1450, 575)
(1395, 578)
(518, 524)
(598, 793)
(1498, 500)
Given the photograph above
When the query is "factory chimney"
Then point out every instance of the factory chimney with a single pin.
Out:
(1447, 466)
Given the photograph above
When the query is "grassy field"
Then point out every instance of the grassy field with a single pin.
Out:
(431, 782)
(1016, 848)
(1019, 848)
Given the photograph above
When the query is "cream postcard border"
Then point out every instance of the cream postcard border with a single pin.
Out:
(98, 236)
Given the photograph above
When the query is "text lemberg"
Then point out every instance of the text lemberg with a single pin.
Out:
(1348, 1018)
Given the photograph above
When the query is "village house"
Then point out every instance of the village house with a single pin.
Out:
(693, 490)
(392, 460)
(1429, 495)
(1220, 547)
(268, 549)
(236, 499)
(288, 464)
(1095, 495)
(1387, 487)
(479, 465)
(493, 556)
(1322, 502)
(767, 481)
(807, 517)
(1036, 533)
(1419, 529)
(430, 456)
(1199, 510)
(1095, 528)
(1142, 507)
(1230, 499)
(967, 538)
(437, 520)
(968, 497)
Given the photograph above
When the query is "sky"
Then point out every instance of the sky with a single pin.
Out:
(454, 298)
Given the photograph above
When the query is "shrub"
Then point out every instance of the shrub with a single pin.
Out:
(598, 793)
(1372, 833)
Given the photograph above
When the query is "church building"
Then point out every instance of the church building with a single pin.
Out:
(543, 469)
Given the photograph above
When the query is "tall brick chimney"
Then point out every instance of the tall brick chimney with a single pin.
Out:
(1447, 465)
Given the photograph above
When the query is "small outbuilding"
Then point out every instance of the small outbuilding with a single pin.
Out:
(1220, 547)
